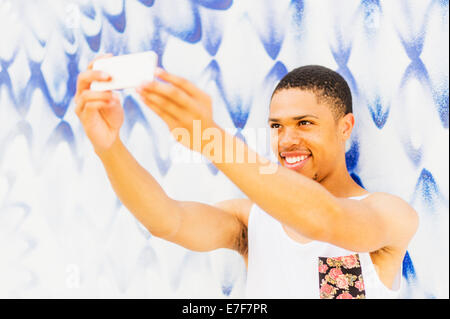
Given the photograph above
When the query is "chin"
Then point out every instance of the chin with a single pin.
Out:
(305, 172)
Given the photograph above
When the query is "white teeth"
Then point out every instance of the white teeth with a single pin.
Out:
(290, 160)
(295, 159)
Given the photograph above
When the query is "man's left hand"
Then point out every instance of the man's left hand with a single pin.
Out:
(179, 103)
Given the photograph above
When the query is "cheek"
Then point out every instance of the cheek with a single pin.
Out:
(327, 148)
(321, 147)
(325, 139)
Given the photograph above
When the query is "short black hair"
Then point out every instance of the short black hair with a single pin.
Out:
(328, 86)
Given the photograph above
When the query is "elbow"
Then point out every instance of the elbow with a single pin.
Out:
(168, 224)
(166, 233)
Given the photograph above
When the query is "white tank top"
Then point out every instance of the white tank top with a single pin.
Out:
(280, 267)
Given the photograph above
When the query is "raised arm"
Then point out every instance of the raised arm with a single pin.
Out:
(303, 204)
(193, 225)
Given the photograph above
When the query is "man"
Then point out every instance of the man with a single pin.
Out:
(307, 230)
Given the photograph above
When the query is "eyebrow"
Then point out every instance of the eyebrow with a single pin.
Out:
(296, 118)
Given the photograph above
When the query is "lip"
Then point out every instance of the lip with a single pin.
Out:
(297, 165)
(295, 153)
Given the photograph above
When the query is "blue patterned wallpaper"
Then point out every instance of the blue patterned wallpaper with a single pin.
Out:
(63, 233)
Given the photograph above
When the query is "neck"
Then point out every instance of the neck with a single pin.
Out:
(341, 184)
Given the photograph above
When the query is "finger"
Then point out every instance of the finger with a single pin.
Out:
(179, 82)
(96, 105)
(158, 107)
(111, 113)
(165, 104)
(103, 56)
(87, 77)
(90, 96)
(169, 92)
(170, 120)
(90, 108)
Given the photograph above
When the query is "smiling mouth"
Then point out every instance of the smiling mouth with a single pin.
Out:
(293, 160)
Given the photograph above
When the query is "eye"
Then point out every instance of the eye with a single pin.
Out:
(304, 123)
(275, 125)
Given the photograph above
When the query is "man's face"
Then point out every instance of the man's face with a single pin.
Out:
(310, 140)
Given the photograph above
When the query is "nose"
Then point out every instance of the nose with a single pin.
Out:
(288, 137)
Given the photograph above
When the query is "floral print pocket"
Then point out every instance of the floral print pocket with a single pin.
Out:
(341, 278)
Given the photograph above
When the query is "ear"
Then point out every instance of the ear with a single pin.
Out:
(346, 124)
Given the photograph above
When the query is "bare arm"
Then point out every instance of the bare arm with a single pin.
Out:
(379, 221)
(297, 201)
(195, 226)
(204, 227)
(140, 192)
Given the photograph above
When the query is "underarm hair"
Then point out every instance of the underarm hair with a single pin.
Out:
(241, 243)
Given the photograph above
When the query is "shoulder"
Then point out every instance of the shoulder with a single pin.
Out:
(396, 213)
(394, 206)
(239, 207)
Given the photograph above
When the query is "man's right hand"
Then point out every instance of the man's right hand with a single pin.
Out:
(100, 112)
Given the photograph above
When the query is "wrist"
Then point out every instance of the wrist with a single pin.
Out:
(105, 153)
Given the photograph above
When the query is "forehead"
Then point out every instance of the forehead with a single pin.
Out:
(290, 103)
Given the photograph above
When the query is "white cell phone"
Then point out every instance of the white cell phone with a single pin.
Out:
(127, 71)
